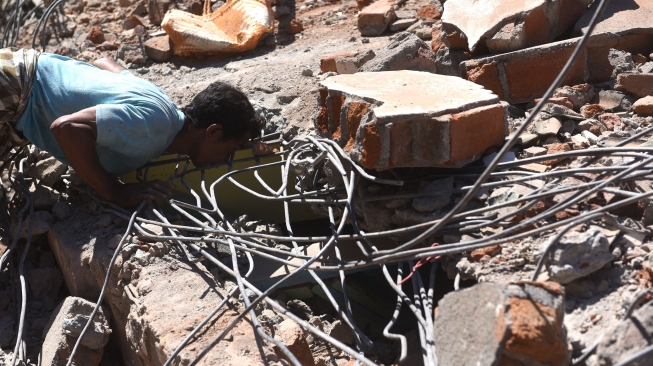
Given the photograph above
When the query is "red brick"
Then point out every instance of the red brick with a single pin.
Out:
(590, 110)
(436, 39)
(400, 144)
(610, 120)
(536, 28)
(536, 332)
(640, 85)
(371, 146)
(159, 48)
(375, 19)
(472, 131)
(570, 12)
(429, 12)
(336, 107)
(328, 64)
(96, 35)
(598, 64)
(488, 76)
(530, 76)
(563, 101)
(355, 113)
(482, 252)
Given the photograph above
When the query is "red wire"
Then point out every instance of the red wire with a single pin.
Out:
(419, 264)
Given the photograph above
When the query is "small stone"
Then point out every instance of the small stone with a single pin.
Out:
(549, 126)
(534, 151)
(578, 254)
(96, 337)
(365, 40)
(429, 12)
(307, 72)
(590, 110)
(159, 48)
(402, 24)
(96, 35)
(60, 210)
(579, 142)
(294, 27)
(644, 106)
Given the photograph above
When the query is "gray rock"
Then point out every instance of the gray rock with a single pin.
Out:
(62, 331)
(610, 99)
(402, 24)
(592, 138)
(405, 52)
(448, 61)
(576, 97)
(406, 14)
(131, 53)
(626, 338)
(578, 254)
(96, 337)
(443, 189)
(549, 126)
(340, 331)
(285, 98)
(586, 125)
(300, 309)
(568, 126)
(307, 72)
(60, 210)
(621, 61)
(48, 171)
(424, 33)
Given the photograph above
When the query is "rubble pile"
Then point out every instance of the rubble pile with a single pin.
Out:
(388, 112)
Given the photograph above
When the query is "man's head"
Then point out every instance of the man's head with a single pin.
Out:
(227, 120)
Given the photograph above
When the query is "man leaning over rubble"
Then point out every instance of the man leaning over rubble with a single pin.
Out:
(102, 120)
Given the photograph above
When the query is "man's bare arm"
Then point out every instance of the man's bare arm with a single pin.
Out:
(76, 134)
(108, 64)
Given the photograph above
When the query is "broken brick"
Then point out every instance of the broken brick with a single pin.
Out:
(375, 19)
(96, 35)
(429, 12)
(159, 48)
(481, 252)
(591, 110)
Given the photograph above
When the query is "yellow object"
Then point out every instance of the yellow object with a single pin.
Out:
(235, 27)
(232, 200)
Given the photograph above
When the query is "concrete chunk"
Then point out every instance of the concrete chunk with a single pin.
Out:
(529, 22)
(405, 52)
(494, 324)
(59, 340)
(375, 19)
(407, 118)
(578, 254)
(627, 338)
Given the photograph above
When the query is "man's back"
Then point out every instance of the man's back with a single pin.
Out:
(136, 121)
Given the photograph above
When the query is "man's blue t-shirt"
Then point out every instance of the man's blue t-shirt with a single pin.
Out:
(136, 121)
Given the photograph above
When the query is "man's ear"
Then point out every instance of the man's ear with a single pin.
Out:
(214, 132)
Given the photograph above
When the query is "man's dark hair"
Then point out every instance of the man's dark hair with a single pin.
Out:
(223, 104)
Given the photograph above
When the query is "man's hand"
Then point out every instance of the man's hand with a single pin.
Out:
(128, 195)
(76, 134)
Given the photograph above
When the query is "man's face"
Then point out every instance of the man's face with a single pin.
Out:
(212, 148)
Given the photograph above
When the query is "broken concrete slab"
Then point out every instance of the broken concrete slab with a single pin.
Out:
(495, 324)
(507, 24)
(374, 19)
(620, 18)
(60, 340)
(407, 118)
(149, 318)
(405, 52)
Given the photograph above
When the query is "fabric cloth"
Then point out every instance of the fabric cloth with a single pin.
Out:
(136, 121)
(17, 72)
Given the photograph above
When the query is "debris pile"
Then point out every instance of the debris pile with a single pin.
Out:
(385, 119)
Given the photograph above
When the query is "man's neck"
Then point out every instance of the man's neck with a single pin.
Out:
(184, 139)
